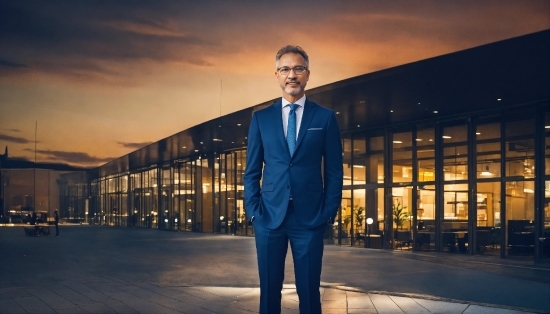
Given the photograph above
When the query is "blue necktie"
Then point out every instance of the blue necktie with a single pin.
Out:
(291, 129)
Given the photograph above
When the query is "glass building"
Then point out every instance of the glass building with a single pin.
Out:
(449, 154)
(27, 187)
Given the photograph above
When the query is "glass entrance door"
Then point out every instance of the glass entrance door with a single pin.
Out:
(520, 212)
(344, 224)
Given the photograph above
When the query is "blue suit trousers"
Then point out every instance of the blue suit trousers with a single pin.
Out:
(307, 252)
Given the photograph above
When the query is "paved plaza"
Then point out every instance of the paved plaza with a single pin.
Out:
(95, 269)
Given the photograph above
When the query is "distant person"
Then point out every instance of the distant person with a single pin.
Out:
(56, 222)
(34, 217)
(294, 149)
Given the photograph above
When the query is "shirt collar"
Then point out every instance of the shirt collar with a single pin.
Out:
(300, 102)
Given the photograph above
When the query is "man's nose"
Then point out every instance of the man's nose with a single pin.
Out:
(292, 73)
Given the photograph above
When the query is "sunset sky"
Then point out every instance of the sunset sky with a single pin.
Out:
(104, 78)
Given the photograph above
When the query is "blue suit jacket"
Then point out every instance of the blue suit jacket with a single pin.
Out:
(313, 175)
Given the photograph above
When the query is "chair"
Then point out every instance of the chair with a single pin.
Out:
(483, 240)
(402, 238)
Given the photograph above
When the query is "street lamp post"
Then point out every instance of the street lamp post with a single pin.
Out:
(369, 222)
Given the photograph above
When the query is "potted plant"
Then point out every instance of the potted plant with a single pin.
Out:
(401, 238)
(399, 214)
(359, 217)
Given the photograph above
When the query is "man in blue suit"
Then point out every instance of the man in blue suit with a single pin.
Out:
(294, 149)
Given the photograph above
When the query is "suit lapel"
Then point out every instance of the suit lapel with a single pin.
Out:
(309, 111)
(276, 118)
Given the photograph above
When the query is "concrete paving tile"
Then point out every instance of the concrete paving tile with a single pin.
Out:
(113, 279)
(119, 307)
(477, 309)
(335, 311)
(10, 293)
(201, 294)
(94, 295)
(123, 297)
(97, 308)
(185, 307)
(227, 292)
(74, 310)
(145, 306)
(33, 305)
(362, 311)
(54, 300)
(80, 287)
(384, 304)
(164, 291)
(229, 309)
(157, 309)
(71, 295)
(358, 300)
(409, 305)
(9, 306)
(330, 304)
(442, 307)
(333, 295)
(287, 303)
(160, 299)
(102, 287)
(117, 285)
(137, 291)
(188, 298)
(77, 298)
(249, 305)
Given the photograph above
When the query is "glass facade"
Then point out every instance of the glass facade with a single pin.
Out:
(480, 201)
(474, 181)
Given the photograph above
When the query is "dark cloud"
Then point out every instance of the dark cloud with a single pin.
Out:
(90, 39)
(134, 145)
(70, 157)
(115, 41)
(14, 139)
(9, 64)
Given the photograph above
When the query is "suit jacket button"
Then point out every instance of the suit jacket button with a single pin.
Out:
(291, 165)
(288, 186)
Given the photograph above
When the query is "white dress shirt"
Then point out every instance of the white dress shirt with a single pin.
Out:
(299, 113)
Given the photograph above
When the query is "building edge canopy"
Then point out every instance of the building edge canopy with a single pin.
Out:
(477, 78)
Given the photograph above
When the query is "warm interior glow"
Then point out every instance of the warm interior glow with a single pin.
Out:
(486, 172)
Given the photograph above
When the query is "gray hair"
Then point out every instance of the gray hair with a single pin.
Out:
(291, 49)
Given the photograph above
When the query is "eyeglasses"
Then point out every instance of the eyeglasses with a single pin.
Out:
(298, 70)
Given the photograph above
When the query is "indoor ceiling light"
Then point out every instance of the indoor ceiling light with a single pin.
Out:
(486, 172)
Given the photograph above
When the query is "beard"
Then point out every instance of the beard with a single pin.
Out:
(293, 90)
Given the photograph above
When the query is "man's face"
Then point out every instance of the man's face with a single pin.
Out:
(292, 84)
